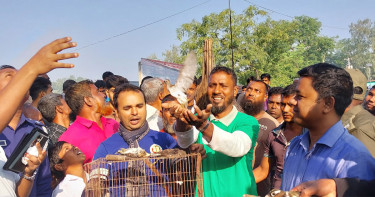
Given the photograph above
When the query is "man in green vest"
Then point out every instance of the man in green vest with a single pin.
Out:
(228, 136)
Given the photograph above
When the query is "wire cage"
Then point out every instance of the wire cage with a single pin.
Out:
(119, 175)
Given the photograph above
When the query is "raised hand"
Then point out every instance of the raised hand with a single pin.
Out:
(200, 118)
(34, 162)
(46, 59)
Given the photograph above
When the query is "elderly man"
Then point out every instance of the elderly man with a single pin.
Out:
(326, 150)
(90, 127)
(228, 137)
(56, 111)
(155, 90)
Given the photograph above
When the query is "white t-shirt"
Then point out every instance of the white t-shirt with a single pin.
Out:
(71, 186)
(155, 122)
(8, 179)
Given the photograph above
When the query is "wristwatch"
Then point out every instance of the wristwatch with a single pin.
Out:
(29, 178)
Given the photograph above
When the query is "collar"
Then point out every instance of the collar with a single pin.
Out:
(52, 124)
(226, 120)
(24, 120)
(88, 123)
(329, 138)
(70, 177)
(279, 129)
(150, 111)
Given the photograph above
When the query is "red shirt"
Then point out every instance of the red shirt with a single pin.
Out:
(87, 135)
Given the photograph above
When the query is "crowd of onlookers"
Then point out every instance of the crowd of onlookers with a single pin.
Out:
(315, 136)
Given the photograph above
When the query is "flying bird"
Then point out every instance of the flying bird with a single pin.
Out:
(185, 79)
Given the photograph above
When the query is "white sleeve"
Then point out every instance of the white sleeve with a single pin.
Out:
(235, 144)
(185, 139)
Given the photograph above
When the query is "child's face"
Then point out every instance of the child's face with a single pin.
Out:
(71, 155)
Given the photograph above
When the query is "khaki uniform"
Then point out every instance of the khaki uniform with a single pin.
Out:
(361, 124)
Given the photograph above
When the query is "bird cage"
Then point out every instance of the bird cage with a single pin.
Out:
(120, 175)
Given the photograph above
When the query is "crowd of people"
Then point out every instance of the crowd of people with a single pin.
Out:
(315, 136)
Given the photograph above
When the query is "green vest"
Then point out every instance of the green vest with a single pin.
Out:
(230, 176)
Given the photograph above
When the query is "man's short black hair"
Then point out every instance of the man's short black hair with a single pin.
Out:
(115, 80)
(106, 74)
(124, 88)
(330, 81)
(67, 84)
(195, 81)
(275, 91)
(265, 75)
(251, 78)
(267, 87)
(289, 90)
(100, 83)
(227, 71)
(167, 98)
(40, 84)
(76, 94)
(6, 66)
(53, 155)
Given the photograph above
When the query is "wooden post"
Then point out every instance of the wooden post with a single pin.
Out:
(208, 64)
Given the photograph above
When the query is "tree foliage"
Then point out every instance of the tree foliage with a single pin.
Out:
(359, 48)
(260, 44)
(57, 85)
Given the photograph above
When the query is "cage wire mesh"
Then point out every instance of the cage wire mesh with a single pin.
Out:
(119, 175)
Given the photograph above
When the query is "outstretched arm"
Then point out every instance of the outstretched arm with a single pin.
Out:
(45, 60)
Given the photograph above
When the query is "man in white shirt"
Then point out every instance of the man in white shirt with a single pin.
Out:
(155, 90)
(66, 162)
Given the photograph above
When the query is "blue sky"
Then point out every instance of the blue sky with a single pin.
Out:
(28, 25)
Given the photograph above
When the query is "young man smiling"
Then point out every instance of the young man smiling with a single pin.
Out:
(66, 163)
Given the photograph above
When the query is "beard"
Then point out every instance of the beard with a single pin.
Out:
(252, 108)
(215, 110)
(104, 110)
(168, 128)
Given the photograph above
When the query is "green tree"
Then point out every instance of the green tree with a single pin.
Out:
(277, 47)
(57, 85)
(173, 55)
(359, 48)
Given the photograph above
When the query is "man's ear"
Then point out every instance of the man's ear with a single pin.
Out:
(59, 109)
(88, 101)
(328, 105)
(60, 167)
(161, 95)
(235, 91)
(41, 94)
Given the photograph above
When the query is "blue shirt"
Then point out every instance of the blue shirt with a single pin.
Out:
(153, 141)
(9, 139)
(337, 154)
